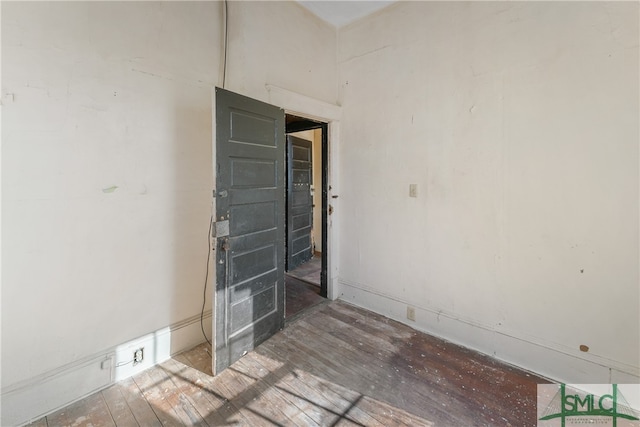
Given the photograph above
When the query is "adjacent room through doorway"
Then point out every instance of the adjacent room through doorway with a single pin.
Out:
(305, 278)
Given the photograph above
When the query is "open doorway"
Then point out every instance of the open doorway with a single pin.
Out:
(249, 160)
(306, 266)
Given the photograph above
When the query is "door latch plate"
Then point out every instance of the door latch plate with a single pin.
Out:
(221, 229)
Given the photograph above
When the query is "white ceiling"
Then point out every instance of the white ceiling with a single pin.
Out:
(343, 12)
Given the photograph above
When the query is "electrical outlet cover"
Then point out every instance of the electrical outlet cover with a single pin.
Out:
(138, 355)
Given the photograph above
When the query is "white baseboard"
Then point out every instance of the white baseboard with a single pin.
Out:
(549, 360)
(36, 397)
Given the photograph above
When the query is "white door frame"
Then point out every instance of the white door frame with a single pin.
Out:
(310, 108)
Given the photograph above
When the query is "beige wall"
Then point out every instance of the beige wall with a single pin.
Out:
(282, 44)
(107, 173)
(519, 124)
(517, 121)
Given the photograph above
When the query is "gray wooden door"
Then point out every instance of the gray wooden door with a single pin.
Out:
(250, 225)
(299, 201)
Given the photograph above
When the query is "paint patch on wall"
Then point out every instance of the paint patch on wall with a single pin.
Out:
(110, 189)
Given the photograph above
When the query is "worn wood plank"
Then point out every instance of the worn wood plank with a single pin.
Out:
(235, 391)
(268, 380)
(250, 394)
(353, 369)
(199, 358)
(300, 295)
(389, 415)
(207, 405)
(481, 390)
(335, 365)
(405, 374)
(228, 388)
(42, 422)
(306, 398)
(169, 406)
(140, 408)
(118, 407)
(373, 323)
(292, 341)
(355, 365)
(155, 397)
(384, 363)
(89, 411)
(330, 399)
(225, 410)
(186, 413)
(339, 400)
(302, 403)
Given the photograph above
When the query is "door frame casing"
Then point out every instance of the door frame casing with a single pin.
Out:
(303, 106)
(292, 129)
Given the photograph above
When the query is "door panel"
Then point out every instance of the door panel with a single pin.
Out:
(250, 195)
(299, 202)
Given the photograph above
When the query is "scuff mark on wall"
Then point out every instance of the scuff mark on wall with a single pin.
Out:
(152, 74)
(110, 190)
(365, 54)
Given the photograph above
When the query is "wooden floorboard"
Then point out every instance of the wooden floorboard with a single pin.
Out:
(336, 365)
(266, 385)
(225, 412)
(157, 389)
(118, 407)
(309, 271)
(302, 389)
(139, 406)
(42, 422)
(91, 411)
(300, 296)
(193, 393)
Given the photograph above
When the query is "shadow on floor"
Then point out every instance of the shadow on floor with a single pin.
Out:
(299, 296)
(302, 287)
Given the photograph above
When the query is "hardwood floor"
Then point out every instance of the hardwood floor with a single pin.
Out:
(334, 365)
(300, 296)
(309, 271)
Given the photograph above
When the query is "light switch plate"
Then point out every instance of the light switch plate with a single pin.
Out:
(413, 190)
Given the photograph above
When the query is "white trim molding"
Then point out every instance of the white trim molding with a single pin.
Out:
(311, 108)
(43, 394)
(301, 105)
(553, 361)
